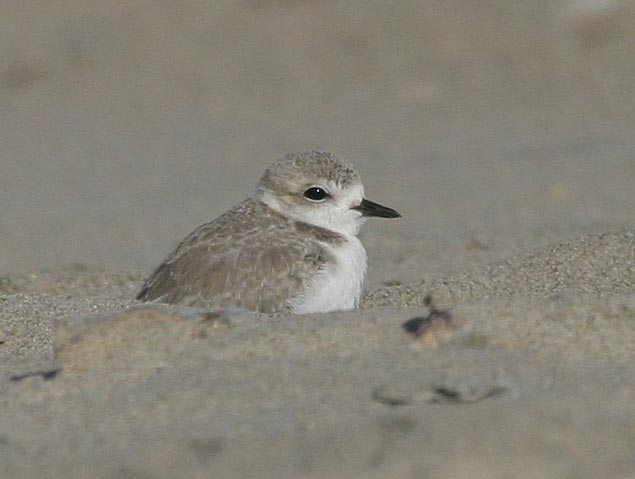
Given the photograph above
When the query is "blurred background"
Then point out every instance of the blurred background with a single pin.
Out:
(493, 126)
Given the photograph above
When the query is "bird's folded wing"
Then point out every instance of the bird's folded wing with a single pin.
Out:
(259, 277)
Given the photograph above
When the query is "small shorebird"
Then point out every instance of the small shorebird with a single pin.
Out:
(291, 246)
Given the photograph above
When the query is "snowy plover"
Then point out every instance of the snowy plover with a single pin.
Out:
(292, 245)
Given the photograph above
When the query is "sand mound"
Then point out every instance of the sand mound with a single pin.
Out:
(533, 368)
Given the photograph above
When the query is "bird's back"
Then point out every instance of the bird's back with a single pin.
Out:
(250, 257)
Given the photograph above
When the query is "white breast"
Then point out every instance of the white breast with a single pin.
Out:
(339, 285)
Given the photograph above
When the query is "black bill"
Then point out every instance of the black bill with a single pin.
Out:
(369, 208)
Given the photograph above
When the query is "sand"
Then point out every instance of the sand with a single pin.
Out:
(497, 335)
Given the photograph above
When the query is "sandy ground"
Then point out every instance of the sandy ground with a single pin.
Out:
(502, 131)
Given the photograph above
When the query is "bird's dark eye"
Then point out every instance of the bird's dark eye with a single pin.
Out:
(315, 193)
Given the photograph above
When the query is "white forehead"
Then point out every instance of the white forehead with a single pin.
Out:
(351, 191)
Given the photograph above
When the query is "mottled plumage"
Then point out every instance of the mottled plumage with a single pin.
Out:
(204, 268)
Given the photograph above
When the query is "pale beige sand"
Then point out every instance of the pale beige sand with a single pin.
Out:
(531, 382)
(502, 131)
